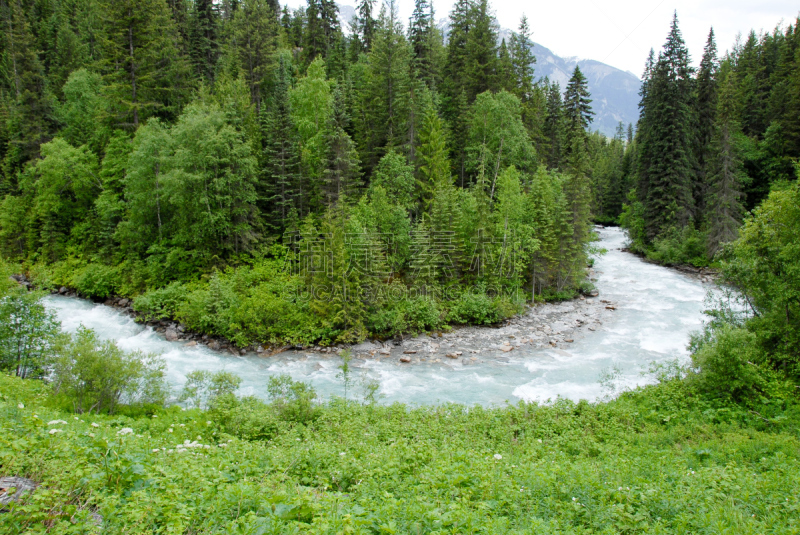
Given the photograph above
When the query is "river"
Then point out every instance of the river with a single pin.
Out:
(656, 310)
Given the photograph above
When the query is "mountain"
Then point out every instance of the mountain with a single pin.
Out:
(615, 93)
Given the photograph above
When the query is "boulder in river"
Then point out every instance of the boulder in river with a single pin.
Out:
(171, 334)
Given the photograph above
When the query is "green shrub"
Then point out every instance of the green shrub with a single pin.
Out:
(96, 280)
(96, 376)
(687, 246)
(162, 303)
(248, 418)
(473, 307)
(730, 366)
(28, 332)
(293, 401)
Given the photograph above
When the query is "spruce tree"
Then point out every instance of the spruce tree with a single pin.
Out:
(523, 60)
(282, 163)
(204, 38)
(422, 35)
(481, 49)
(145, 73)
(577, 104)
(725, 173)
(384, 95)
(31, 107)
(554, 125)
(666, 167)
(342, 176)
(254, 39)
(506, 78)
(705, 117)
(364, 30)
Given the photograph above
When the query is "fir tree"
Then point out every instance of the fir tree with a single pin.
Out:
(254, 40)
(144, 72)
(578, 112)
(725, 174)
(423, 35)
(365, 25)
(480, 70)
(523, 60)
(277, 193)
(554, 125)
(31, 107)
(506, 78)
(705, 116)
(203, 38)
(342, 174)
(666, 166)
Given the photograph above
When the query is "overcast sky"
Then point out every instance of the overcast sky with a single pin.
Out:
(621, 33)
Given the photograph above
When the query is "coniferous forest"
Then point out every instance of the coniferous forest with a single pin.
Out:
(238, 169)
(268, 175)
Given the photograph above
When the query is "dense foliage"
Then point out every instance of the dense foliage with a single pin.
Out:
(711, 142)
(661, 460)
(261, 174)
(708, 448)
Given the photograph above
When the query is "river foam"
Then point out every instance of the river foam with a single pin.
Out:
(656, 310)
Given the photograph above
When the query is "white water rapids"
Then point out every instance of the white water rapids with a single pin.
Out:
(657, 309)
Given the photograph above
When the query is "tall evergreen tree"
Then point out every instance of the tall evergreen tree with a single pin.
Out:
(577, 104)
(384, 96)
(204, 38)
(282, 162)
(365, 25)
(705, 117)
(30, 110)
(666, 167)
(481, 49)
(145, 73)
(342, 174)
(725, 173)
(523, 59)
(322, 29)
(554, 125)
(254, 40)
(423, 35)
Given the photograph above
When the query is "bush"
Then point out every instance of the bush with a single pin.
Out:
(95, 376)
(293, 401)
(203, 385)
(730, 366)
(248, 418)
(96, 280)
(28, 332)
(687, 246)
(162, 303)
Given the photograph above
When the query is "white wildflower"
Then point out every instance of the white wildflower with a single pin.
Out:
(183, 425)
(170, 430)
(95, 424)
(342, 454)
(91, 435)
(155, 450)
(540, 440)
(56, 422)
(125, 431)
(155, 416)
(208, 422)
(21, 406)
(223, 445)
(75, 417)
(54, 431)
(498, 457)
